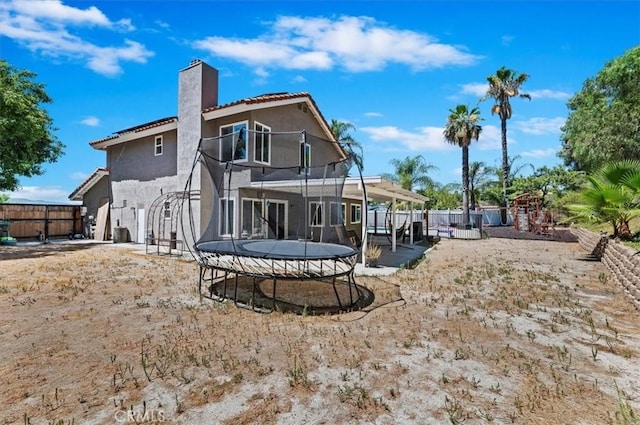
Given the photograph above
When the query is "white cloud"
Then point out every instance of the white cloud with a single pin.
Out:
(78, 175)
(47, 27)
(56, 11)
(162, 24)
(91, 121)
(480, 89)
(539, 153)
(429, 138)
(394, 138)
(41, 193)
(548, 94)
(298, 79)
(539, 126)
(476, 89)
(507, 39)
(355, 44)
(373, 114)
(490, 139)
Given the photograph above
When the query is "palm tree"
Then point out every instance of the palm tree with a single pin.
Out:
(461, 129)
(411, 172)
(503, 85)
(340, 132)
(614, 197)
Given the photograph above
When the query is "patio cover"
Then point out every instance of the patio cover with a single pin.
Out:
(377, 189)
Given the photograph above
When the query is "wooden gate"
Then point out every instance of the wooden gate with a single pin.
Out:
(30, 221)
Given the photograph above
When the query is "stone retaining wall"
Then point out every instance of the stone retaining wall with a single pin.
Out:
(619, 259)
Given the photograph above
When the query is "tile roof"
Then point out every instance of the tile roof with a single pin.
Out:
(137, 129)
(271, 97)
(263, 98)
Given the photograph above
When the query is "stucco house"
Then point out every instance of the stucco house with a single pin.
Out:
(148, 164)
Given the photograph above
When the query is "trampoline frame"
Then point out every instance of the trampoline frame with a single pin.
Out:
(260, 267)
(228, 263)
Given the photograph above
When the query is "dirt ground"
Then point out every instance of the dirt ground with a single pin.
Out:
(489, 331)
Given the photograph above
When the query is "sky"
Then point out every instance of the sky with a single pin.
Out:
(393, 69)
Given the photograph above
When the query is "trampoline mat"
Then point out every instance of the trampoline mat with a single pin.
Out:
(278, 249)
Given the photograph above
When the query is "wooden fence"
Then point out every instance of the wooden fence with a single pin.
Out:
(30, 221)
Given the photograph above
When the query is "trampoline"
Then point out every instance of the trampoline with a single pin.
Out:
(276, 235)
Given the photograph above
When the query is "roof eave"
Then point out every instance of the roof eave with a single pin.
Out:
(134, 135)
(86, 185)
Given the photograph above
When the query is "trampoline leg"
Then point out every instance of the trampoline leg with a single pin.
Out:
(350, 289)
(253, 295)
(273, 303)
(200, 281)
(235, 291)
(333, 281)
(353, 280)
(224, 287)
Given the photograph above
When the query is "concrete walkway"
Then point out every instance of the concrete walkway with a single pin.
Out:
(390, 262)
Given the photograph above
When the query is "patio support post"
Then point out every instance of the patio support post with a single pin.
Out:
(364, 218)
(411, 223)
(393, 225)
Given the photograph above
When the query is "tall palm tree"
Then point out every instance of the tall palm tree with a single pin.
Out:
(340, 132)
(461, 129)
(503, 85)
(411, 172)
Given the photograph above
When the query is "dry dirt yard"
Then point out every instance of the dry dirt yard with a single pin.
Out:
(490, 331)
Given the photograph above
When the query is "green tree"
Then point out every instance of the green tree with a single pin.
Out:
(478, 176)
(604, 117)
(549, 184)
(341, 133)
(411, 172)
(503, 85)
(461, 129)
(613, 197)
(492, 189)
(26, 130)
(447, 197)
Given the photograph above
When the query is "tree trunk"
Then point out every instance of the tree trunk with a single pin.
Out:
(505, 169)
(624, 231)
(465, 185)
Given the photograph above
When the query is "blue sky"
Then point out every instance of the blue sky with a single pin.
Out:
(392, 69)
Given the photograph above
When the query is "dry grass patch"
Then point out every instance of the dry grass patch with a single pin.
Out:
(491, 331)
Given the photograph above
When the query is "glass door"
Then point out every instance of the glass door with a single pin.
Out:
(277, 219)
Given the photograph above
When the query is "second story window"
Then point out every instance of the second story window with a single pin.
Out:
(158, 146)
(167, 210)
(262, 144)
(233, 142)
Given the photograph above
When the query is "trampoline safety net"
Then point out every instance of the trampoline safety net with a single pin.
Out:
(274, 220)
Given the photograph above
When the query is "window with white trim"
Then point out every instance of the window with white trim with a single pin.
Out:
(233, 142)
(337, 213)
(305, 158)
(356, 213)
(227, 212)
(158, 146)
(167, 210)
(316, 214)
(262, 142)
(252, 218)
